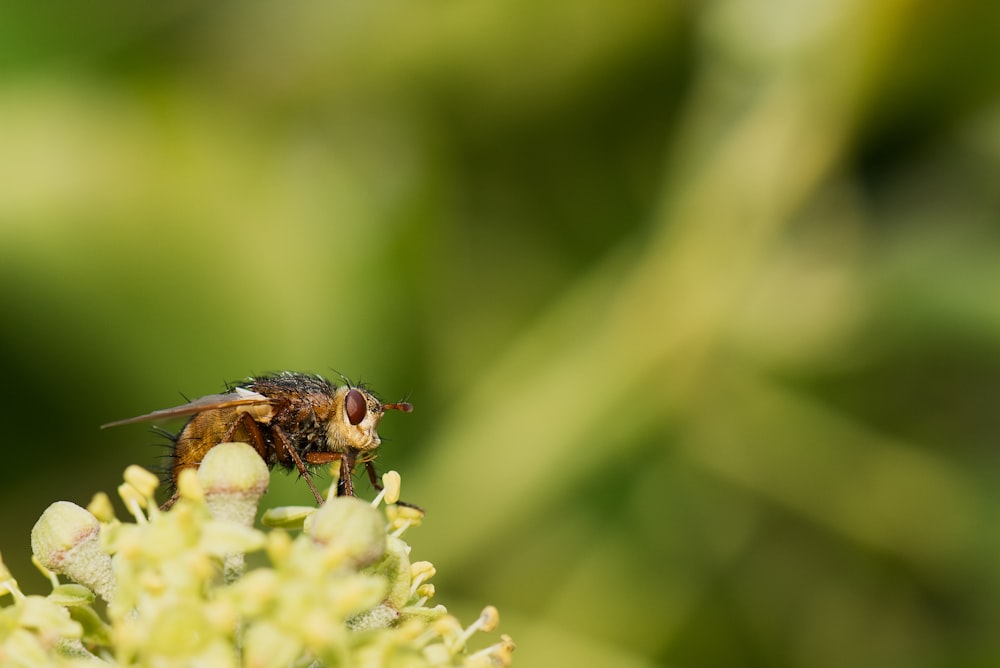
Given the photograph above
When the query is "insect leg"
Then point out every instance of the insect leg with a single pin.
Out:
(171, 501)
(345, 485)
(373, 476)
(253, 434)
(281, 441)
(320, 457)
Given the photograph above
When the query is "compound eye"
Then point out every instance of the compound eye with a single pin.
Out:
(356, 407)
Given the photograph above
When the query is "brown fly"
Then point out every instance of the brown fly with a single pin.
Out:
(293, 420)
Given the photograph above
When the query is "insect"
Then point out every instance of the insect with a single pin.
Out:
(291, 419)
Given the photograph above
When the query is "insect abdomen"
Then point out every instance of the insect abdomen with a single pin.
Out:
(206, 430)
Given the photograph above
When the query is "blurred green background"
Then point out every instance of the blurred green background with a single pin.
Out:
(697, 302)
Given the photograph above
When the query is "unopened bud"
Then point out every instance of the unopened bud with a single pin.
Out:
(66, 539)
(349, 528)
(233, 477)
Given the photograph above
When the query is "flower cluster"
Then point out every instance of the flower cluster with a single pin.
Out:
(327, 586)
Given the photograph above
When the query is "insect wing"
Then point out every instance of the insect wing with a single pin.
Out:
(210, 402)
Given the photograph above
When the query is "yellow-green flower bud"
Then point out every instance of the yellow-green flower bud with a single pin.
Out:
(233, 477)
(350, 529)
(66, 539)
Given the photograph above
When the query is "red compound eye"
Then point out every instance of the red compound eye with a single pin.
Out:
(356, 407)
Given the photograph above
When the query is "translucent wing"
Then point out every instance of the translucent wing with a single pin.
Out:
(240, 397)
